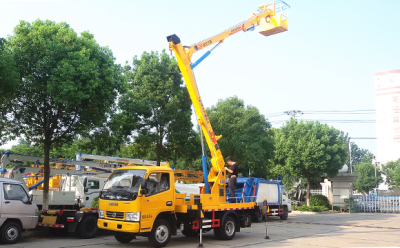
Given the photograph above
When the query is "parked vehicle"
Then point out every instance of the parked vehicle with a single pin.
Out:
(250, 189)
(17, 211)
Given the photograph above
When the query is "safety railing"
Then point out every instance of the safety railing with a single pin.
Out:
(374, 204)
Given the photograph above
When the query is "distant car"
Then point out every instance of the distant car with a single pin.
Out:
(17, 211)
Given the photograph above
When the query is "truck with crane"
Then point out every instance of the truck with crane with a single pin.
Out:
(142, 200)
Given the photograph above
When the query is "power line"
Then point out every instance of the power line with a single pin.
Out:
(293, 113)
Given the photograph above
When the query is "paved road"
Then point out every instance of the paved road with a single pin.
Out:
(300, 230)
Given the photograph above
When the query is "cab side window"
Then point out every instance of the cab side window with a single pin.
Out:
(157, 183)
(284, 191)
(92, 184)
(15, 192)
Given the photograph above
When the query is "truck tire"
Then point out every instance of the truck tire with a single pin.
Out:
(58, 232)
(190, 232)
(10, 232)
(124, 237)
(88, 227)
(285, 213)
(228, 229)
(258, 218)
(160, 234)
(217, 233)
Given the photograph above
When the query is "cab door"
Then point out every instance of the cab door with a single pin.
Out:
(92, 190)
(16, 204)
(159, 198)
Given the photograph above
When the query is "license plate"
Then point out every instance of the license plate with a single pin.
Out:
(49, 220)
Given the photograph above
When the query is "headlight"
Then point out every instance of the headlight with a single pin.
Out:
(101, 213)
(132, 216)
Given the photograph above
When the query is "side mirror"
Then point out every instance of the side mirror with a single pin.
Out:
(30, 200)
(143, 186)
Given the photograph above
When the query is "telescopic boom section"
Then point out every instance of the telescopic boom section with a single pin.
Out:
(271, 19)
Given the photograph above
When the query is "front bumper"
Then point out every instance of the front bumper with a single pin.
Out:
(121, 226)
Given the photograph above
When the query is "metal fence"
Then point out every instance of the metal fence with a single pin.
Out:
(315, 191)
(374, 204)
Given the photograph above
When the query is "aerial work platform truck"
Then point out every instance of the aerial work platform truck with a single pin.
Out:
(142, 200)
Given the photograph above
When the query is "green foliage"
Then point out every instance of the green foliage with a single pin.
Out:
(95, 202)
(8, 73)
(309, 150)
(359, 155)
(310, 208)
(9, 84)
(156, 109)
(245, 135)
(67, 84)
(25, 147)
(319, 200)
(392, 172)
(366, 180)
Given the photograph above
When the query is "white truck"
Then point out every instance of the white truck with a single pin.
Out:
(17, 211)
(69, 207)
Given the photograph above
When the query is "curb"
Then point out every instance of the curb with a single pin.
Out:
(323, 212)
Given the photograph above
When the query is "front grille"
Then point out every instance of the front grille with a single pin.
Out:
(115, 215)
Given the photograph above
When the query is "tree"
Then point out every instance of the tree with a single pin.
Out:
(245, 135)
(9, 82)
(392, 171)
(359, 155)
(366, 180)
(157, 108)
(67, 85)
(309, 150)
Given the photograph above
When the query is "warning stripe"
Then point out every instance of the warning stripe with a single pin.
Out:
(47, 225)
(226, 209)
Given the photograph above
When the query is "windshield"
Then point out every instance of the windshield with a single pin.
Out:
(122, 185)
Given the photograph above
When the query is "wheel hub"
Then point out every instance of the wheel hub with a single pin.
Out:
(162, 233)
(229, 228)
(11, 233)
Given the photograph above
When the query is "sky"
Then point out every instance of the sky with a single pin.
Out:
(326, 61)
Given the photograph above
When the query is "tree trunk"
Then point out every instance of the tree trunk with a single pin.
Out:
(46, 176)
(308, 191)
(159, 150)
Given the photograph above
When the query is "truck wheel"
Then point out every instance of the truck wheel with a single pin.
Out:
(189, 232)
(58, 232)
(88, 227)
(10, 233)
(228, 228)
(285, 213)
(217, 233)
(160, 234)
(258, 218)
(123, 237)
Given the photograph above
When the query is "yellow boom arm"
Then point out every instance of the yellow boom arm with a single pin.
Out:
(271, 19)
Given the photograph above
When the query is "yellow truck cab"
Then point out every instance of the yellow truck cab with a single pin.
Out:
(133, 198)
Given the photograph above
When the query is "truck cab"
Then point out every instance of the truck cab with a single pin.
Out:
(133, 197)
(17, 211)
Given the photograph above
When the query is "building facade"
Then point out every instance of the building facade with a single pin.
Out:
(387, 105)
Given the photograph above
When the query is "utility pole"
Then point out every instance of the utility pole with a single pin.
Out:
(351, 167)
(293, 113)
